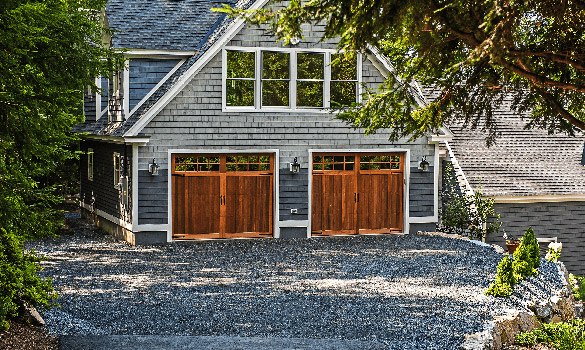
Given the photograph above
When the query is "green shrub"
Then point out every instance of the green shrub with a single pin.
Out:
(19, 281)
(578, 286)
(526, 257)
(561, 336)
(465, 214)
(505, 280)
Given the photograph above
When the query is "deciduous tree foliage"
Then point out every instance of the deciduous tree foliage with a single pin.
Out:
(50, 50)
(473, 52)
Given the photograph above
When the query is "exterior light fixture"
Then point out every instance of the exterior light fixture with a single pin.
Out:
(295, 167)
(294, 41)
(423, 165)
(153, 168)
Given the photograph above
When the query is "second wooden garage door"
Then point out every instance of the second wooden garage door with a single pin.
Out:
(357, 193)
(222, 196)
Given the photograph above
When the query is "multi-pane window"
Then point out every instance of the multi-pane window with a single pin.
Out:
(240, 78)
(344, 81)
(90, 164)
(310, 79)
(275, 79)
(289, 79)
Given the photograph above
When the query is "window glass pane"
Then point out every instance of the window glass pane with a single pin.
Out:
(317, 166)
(310, 66)
(343, 68)
(264, 159)
(275, 65)
(254, 167)
(240, 92)
(274, 93)
(240, 64)
(310, 94)
(348, 166)
(343, 93)
(264, 166)
(317, 159)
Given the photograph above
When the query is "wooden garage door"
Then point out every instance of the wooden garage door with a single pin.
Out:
(357, 193)
(222, 196)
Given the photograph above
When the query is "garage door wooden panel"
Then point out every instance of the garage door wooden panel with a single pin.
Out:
(356, 193)
(248, 205)
(222, 196)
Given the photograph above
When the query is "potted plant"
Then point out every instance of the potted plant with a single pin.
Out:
(511, 242)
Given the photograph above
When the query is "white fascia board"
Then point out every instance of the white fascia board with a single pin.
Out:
(137, 53)
(233, 29)
(419, 98)
(539, 199)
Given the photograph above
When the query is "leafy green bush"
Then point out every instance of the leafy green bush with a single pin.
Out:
(561, 336)
(504, 279)
(463, 214)
(526, 257)
(578, 286)
(19, 282)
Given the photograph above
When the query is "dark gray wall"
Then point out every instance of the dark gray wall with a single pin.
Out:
(422, 191)
(145, 73)
(107, 197)
(565, 220)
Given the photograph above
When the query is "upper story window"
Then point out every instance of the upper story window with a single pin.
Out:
(288, 79)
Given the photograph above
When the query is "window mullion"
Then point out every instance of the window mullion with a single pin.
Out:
(258, 81)
(293, 80)
(327, 81)
(359, 78)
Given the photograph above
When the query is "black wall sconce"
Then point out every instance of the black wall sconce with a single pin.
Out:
(423, 165)
(295, 167)
(153, 168)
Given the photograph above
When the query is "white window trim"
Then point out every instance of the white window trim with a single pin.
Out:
(90, 164)
(117, 172)
(292, 85)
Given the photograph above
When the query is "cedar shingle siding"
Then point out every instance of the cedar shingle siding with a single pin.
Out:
(194, 120)
(566, 221)
(105, 197)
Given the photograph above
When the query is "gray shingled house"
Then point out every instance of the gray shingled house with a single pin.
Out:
(537, 180)
(215, 130)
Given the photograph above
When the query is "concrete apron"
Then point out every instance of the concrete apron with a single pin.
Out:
(156, 342)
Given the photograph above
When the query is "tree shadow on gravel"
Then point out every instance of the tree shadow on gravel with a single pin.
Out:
(400, 290)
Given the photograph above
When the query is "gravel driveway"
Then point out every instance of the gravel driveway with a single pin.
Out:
(406, 292)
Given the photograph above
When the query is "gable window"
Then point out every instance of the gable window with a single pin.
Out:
(90, 164)
(288, 79)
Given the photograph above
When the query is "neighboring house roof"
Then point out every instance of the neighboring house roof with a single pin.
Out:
(522, 162)
(130, 19)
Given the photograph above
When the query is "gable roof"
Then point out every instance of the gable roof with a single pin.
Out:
(522, 162)
(213, 24)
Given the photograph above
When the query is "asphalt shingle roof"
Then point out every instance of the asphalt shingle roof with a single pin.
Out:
(522, 162)
(161, 24)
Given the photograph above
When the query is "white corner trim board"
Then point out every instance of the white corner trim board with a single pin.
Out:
(231, 31)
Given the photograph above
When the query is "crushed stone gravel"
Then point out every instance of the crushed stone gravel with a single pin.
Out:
(403, 291)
